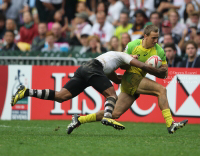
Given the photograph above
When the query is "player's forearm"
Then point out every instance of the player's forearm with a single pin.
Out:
(158, 72)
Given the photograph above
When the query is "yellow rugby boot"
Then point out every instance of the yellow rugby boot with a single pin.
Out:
(18, 95)
(113, 123)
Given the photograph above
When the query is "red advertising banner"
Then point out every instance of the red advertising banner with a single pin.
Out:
(182, 90)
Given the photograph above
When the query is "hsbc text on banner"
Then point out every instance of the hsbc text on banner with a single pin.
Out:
(182, 90)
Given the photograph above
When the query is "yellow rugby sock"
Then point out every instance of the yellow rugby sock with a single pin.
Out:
(87, 118)
(167, 116)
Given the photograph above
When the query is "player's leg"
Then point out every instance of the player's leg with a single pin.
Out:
(123, 103)
(150, 87)
(105, 87)
(72, 88)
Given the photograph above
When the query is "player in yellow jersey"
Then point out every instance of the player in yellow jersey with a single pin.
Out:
(135, 83)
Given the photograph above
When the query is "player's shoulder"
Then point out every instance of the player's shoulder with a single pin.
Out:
(159, 49)
(135, 42)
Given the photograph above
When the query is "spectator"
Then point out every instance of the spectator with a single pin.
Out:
(5, 5)
(95, 46)
(2, 25)
(135, 5)
(188, 34)
(124, 24)
(161, 6)
(197, 41)
(125, 39)
(46, 8)
(11, 25)
(9, 38)
(171, 57)
(50, 47)
(104, 30)
(59, 40)
(188, 10)
(114, 10)
(184, 5)
(58, 18)
(56, 29)
(39, 41)
(167, 29)
(193, 19)
(81, 27)
(177, 27)
(168, 38)
(155, 19)
(114, 44)
(101, 7)
(29, 30)
(137, 30)
(193, 61)
(16, 9)
(84, 43)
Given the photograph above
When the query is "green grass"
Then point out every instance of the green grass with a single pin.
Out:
(38, 138)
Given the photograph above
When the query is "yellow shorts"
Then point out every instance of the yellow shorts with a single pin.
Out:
(130, 83)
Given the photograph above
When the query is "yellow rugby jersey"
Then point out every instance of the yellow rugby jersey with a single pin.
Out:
(135, 48)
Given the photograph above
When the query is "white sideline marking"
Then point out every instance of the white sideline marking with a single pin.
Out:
(4, 126)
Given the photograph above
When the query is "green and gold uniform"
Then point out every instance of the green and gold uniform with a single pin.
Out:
(133, 76)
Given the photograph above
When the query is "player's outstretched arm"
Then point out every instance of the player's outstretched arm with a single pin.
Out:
(158, 72)
(115, 78)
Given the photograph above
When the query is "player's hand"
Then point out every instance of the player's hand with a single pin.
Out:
(134, 56)
(162, 70)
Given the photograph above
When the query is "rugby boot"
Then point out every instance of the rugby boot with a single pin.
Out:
(113, 123)
(18, 95)
(176, 125)
(74, 124)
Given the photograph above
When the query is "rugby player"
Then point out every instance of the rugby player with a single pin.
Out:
(95, 73)
(135, 83)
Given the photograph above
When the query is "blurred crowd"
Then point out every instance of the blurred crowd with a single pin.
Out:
(93, 27)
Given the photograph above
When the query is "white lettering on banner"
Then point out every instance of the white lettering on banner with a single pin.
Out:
(137, 110)
(58, 84)
(95, 97)
(74, 104)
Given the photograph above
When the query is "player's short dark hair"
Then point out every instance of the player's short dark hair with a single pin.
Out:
(170, 45)
(10, 32)
(148, 29)
(155, 12)
(191, 42)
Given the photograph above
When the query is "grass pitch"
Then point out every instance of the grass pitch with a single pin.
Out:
(39, 138)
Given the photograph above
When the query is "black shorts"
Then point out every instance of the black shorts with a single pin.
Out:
(89, 74)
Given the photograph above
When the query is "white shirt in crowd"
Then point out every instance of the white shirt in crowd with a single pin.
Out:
(113, 60)
(179, 28)
(105, 33)
(115, 10)
(149, 5)
(93, 19)
(52, 1)
(136, 4)
(86, 29)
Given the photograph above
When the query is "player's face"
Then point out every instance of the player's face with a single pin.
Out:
(152, 39)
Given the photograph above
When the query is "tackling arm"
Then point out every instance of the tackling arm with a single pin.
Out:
(115, 78)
